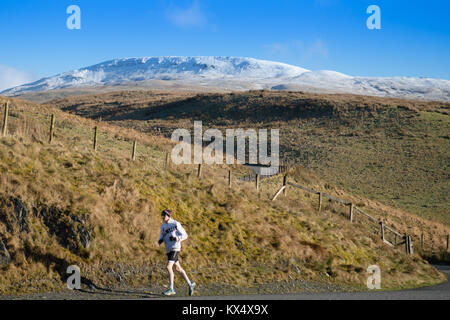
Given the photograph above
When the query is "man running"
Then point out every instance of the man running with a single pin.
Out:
(172, 234)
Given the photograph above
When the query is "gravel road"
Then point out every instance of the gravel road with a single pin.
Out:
(438, 292)
(306, 291)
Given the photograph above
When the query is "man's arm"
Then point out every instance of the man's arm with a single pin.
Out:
(161, 236)
(182, 234)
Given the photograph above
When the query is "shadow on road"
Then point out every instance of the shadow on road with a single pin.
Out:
(97, 290)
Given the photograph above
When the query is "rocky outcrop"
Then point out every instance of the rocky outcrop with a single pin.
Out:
(21, 214)
(71, 230)
(14, 217)
(14, 214)
(5, 257)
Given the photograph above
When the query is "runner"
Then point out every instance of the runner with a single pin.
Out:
(172, 234)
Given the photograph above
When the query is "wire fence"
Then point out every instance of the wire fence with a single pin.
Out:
(388, 234)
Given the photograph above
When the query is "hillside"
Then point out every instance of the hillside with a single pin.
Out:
(395, 151)
(63, 204)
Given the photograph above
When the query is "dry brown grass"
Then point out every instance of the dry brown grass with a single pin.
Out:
(124, 105)
(237, 236)
(391, 150)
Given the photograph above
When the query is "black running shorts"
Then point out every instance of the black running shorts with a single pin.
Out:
(173, 256)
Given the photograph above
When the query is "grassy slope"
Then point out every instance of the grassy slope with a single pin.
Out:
(237, 237)
(392, 150)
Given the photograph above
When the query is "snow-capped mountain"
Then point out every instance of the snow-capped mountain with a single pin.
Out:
(235, 73)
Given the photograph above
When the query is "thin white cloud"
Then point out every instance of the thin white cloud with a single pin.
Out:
(192, 16)
(296, 48)
(11, 77)
(318, 48)
(283, 48)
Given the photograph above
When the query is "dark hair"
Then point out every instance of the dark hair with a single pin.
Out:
(166, 212)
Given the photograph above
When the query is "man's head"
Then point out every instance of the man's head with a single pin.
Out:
(166, 215)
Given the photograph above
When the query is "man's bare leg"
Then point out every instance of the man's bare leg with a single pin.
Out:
(170, 271)
(182, 272)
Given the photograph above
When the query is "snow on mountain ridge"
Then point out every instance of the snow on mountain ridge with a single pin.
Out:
(179, 67)
(163, 68)
(236, 73)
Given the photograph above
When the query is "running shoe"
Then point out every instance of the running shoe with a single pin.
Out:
(191, 288)
(169, 292)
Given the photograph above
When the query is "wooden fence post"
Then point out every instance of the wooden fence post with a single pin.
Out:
(422, 241)
(395, 239)
(284, 184)
(199, 173)
(406, 243)
(133, 153)
(382, 230)
(5, 120)
(167, 161)
(411, 245)
(351, 212)
(52, 128)
(229, 179)
(278, 193)
(320, 201)
(95, 138)
(257, 182)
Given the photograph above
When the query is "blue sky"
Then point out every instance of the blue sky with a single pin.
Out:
(414, 39)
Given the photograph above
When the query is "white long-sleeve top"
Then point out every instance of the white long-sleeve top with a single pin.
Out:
(172, 228)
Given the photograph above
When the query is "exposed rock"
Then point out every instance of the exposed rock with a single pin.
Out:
(18, 219)
(71, 230)
(21, 213)
(84, 235)
(5, 257)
